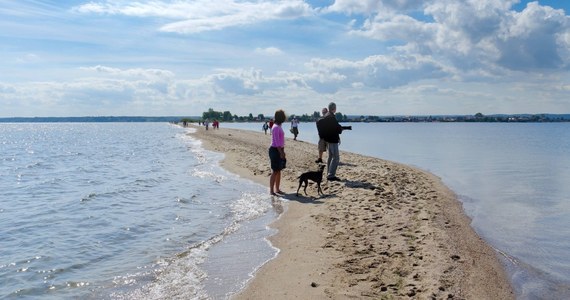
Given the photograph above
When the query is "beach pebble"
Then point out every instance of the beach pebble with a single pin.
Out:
(314, 284)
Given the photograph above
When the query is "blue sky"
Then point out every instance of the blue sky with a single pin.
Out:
(383, 57)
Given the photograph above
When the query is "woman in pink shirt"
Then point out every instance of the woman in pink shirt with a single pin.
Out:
(277, 153)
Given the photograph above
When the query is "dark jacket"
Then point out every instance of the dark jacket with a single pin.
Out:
(329, 129)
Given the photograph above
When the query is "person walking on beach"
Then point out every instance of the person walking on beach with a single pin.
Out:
(322, 143)
(277, 153)
(270, 125)
(265, 127)
(295, 128)
(330, 130)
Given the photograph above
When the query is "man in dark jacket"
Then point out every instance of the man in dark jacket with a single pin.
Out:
(329, 129)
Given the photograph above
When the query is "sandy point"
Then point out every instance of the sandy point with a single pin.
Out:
(385, 231)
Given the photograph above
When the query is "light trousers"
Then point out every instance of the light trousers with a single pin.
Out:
(333, 160)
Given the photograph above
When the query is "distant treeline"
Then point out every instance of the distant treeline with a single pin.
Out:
(90, 119)
(228, 117)
(519, 118)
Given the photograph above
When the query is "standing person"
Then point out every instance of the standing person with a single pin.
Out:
(322, 143)
(330, 130)
(277, 153)
(265, 127)
(295, 127)
(270, 125)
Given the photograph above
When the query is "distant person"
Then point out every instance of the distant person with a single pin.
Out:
(216, 124)
(277, 153)
(264, 127)
(270, 126)
(330, 130)
(207, 123)
(295, 128)
(322, 143)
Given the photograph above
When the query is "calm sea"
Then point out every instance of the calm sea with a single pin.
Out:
(124, 211)
(512, 178)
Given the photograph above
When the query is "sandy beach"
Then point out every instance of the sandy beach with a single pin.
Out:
(386, 231)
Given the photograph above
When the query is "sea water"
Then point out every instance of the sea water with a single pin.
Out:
(512, 178)
(124, 211)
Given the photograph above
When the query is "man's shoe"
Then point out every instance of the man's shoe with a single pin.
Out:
(319, 161)
(334, 178)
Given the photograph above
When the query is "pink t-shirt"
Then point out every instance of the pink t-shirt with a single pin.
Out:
(277, 137)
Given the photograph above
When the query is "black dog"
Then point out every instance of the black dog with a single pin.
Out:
(316, 176)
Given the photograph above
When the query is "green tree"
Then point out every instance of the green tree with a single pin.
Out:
(227, 116)
(212, 114)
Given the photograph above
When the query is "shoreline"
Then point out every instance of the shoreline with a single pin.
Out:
(386, 230)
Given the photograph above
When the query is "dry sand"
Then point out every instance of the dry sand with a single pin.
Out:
(386, 231)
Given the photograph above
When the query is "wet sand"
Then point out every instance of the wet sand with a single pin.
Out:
(386, 231)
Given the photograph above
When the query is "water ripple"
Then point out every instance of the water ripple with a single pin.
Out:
(95, 210)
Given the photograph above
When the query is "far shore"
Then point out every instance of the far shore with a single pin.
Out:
(386, 231)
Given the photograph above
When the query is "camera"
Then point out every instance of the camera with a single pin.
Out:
(346, 127)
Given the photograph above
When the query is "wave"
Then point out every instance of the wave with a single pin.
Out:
(181, 276)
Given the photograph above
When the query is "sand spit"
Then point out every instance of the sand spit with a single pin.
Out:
(386, 231)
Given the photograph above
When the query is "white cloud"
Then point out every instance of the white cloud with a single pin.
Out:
(151, 74)
(374, 6)
(533, 39)
(7, 89)
(413, 56)
(269, 51)
(202, 15)
(28, 58)
(377, 71)
(482, 37)
(126, 90)
(399, 27)
(240, 82)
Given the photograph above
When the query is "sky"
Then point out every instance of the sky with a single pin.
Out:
(64, 58)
